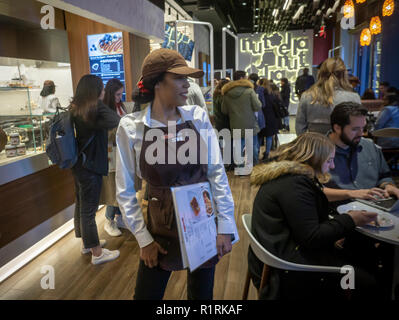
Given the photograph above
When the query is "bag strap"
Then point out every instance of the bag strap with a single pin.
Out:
(87, 144)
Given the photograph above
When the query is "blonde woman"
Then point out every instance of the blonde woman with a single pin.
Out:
(290, 218)
(316, 104)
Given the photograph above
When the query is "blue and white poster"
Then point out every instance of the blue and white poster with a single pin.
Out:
(106, 56)
(184, 43)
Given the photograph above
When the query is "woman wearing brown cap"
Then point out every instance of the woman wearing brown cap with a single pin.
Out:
(164, 84)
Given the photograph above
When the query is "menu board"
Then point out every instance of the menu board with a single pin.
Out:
(106, 56)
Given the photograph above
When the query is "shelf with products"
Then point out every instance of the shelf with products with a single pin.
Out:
(24, 128)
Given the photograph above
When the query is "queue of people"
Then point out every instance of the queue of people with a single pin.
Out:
(300, 183)
(251, 103)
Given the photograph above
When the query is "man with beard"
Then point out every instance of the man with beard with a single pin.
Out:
(360, 168)
(360, 172)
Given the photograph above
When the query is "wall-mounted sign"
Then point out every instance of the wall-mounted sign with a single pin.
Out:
(106, 56)
(277, 55)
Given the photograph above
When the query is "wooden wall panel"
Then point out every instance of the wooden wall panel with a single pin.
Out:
(135, 49)
(140, 47)
(31, 200)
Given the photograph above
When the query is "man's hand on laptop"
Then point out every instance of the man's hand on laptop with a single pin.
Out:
(392, 190)
(371, 194)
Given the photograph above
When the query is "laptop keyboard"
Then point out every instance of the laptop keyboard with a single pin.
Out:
(388, 203)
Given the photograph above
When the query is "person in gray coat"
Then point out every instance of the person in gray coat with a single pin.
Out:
(240, 102)
(195, 96)
(317, 103)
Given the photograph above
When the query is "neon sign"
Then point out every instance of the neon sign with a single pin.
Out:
(277, 55)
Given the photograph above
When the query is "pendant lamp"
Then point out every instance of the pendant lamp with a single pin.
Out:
(365, 37)
(388, 7)
(349, 9)
(375, 25)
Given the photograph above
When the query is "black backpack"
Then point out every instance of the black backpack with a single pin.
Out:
(61, 146)
(279, 109)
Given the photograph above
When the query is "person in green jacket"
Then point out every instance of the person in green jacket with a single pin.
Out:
(240, 102)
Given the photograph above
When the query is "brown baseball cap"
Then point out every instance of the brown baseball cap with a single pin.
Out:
(167, 60)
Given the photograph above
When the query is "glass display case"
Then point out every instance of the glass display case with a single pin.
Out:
(23, 132)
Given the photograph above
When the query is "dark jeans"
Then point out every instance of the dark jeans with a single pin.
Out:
(151, 283)
(111, 211)
(87, 189)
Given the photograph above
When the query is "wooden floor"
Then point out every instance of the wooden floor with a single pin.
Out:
(77, 278)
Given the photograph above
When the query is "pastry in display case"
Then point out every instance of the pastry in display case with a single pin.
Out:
(23, 132)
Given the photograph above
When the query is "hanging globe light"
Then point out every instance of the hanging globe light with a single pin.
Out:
(365, 37)
(375, 25)
(349, 9)
(387, 8)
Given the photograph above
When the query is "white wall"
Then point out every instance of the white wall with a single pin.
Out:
(11, 101)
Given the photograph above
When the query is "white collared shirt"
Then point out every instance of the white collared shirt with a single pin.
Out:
(129, 138)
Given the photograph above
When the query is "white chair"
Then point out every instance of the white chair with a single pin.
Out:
(271, 260)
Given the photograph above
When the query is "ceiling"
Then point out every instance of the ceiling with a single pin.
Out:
(253, 16)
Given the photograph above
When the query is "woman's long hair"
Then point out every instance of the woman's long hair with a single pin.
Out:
(84, 103)
(112, 86)
(310, 148)
(332, 76)
(263, 82)
(218, 89)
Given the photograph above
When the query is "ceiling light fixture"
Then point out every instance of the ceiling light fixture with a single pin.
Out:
(299, 12)
(336, 4)
(365, 37)
(244, 3)
(287, 4)
(387, 8)
(275, 12)
(349, 9)
(375, 25)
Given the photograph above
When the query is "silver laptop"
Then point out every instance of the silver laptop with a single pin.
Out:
(388, 204)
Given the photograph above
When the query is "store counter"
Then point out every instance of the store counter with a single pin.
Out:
(31, 192)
